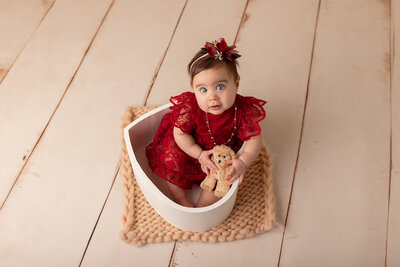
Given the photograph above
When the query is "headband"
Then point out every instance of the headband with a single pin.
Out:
(218, 49)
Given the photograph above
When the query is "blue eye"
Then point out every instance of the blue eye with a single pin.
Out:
(203, 90)
(220, 87)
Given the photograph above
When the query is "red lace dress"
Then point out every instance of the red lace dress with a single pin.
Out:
(169, 162)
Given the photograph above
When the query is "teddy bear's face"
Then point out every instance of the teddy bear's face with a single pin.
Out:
(220, 156)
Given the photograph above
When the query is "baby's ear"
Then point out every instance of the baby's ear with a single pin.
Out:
(237, 82)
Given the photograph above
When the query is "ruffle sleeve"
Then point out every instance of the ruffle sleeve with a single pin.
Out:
(183, 111)
(251, 113)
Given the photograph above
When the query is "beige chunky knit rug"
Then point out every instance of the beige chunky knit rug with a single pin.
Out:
(254, 210)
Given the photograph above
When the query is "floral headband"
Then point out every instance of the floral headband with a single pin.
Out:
(218, 49)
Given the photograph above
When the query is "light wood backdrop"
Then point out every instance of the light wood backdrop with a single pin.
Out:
(328, 69)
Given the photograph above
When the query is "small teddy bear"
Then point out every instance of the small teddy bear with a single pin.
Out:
(220, 155)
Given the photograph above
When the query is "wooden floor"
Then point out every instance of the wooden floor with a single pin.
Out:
(330, 71)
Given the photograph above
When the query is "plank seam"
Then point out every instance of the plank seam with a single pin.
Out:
(158, 67)
(242, 22)
(391, 66)
(172, 259)
(101, 211)
(26, 43)
(301, 132)
(56, 108)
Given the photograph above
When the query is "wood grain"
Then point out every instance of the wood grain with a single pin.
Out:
(66, 206)
(393, 257)
(276, 41)
(339, 205)
(35, 219)
(19, 20)
(3, 73)
(60, 194)
(107, 249)
(197, 26)
(132, 71)
(36, 83)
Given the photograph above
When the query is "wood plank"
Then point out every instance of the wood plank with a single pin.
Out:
(202, 21)
(106, 248)
(393, 257)
(338, 213)
(19, 18)
(276, 43)
(192, 9)
(61, 191)
(36, 83)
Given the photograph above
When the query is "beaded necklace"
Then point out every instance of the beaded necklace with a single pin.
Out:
(233, 133)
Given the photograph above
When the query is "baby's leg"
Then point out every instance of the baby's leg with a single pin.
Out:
(206, 198)
(178, 195)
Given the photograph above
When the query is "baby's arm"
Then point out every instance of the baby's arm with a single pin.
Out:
(250, 153)
(251, 150)
(187, 143)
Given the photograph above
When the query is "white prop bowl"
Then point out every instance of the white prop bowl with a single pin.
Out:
(138, 135)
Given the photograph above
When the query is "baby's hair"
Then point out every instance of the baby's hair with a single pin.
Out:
(201, 62)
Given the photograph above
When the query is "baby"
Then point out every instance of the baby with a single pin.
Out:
(212, 114)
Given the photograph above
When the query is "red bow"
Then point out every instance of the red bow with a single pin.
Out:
(219, 50)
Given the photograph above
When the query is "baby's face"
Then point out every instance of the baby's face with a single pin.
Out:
(215, 90)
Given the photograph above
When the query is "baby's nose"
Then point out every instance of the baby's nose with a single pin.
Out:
(212, 96)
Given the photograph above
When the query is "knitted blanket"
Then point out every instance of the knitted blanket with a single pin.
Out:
(254, 210)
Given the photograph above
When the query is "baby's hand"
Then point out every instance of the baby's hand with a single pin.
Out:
(237, 170)
(206, 163)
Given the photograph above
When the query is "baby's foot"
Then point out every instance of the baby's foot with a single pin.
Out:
(178, 195)
(183, 201)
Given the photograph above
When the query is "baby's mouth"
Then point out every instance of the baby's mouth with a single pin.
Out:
(215, 107)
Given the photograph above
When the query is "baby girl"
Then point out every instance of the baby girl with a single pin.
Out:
(212, 114)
